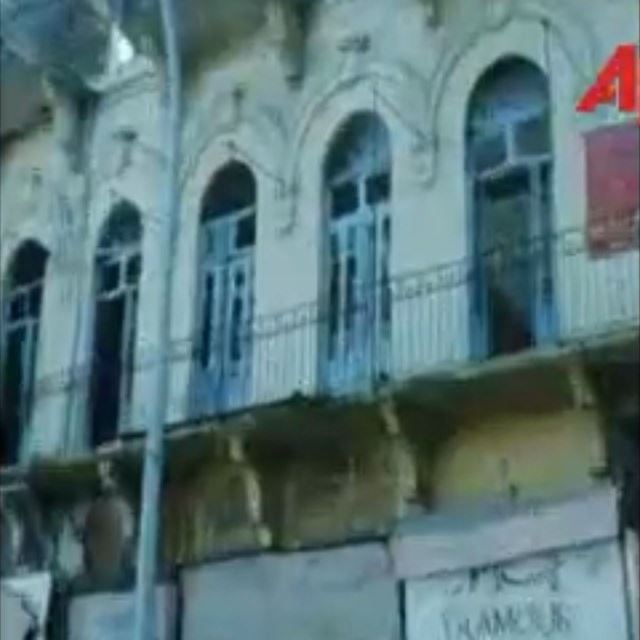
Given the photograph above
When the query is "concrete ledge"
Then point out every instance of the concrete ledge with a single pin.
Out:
(441, 544)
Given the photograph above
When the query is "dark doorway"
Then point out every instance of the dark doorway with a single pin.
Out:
(118, 265)
(509, 163)
(21, 323)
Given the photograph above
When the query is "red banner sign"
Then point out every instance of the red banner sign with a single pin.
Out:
(613, 188)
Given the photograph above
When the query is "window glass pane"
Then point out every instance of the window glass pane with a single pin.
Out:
(133, 269)
(109, 277)
(514, 183)
(13, 393)
(106, 374)
(205, 337)
(233, 188)
(360, 147)
(507, 267)
(384, 276)
(386, 234)
(28, 265)
(245, 232)
(237, 308)
(350, 294)
(547, 281)
(35, 299)
(209, 242)
(17, 307)
(532, 136)
(545, 197)
(489, 152)
(378, 188)
(352, 236)
(130, 347)
(334, 306)
(123, 228)
(223, 238)
(506, 210)
(344, 199)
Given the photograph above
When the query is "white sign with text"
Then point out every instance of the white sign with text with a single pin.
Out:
(575, 594)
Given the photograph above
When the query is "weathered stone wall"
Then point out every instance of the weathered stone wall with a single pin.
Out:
(384, 56)
(416, 69)
(519, 457)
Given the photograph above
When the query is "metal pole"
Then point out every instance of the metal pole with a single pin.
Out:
(145, 614)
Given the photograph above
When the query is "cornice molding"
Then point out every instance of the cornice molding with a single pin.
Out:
(260, 123)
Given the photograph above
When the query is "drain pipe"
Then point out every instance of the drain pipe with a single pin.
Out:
(148, 535)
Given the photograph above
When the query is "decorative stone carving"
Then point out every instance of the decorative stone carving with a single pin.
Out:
(106, 536)
(219, 509)
(497, 13)
(433, 12)
(289, 21)
(67, 129)
(255, 135)
(125, 139)
(64, 206)
(423, 152)
(31, 182)
(238, 96)
(107, 530)
(120, 146)
(356, 43)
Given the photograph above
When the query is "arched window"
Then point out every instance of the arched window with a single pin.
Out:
(226, 290)
(117, 274)
(20, 323)
(357, 175)
(509, 166)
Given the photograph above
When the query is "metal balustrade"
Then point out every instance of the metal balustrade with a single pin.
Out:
(431, 326)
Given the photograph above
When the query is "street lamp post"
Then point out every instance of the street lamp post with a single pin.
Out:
(145, 609)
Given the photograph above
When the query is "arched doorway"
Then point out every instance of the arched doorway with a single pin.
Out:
(357, 178)
(118, 264)
(226, 291)
(20, 330)
(509, 166)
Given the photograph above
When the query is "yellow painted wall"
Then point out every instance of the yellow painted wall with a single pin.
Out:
(539, 455)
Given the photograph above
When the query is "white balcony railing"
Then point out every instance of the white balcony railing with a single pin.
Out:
(432, 326)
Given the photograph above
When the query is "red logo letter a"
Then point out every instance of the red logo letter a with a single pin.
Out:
(621, 73)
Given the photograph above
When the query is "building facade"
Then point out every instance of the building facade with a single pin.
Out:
(404, 338)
